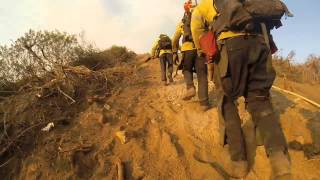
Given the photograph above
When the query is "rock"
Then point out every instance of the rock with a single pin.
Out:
(48, 127)
(121, 135)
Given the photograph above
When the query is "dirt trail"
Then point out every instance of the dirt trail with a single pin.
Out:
(165, 136)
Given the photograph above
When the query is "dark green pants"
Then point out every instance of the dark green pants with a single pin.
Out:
(166, 63)
(244, 69)
(192, 62)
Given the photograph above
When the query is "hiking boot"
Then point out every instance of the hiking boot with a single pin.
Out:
(170, 79)
(220, 158)
(283, 177)
(236, 169)
(204, 108)
(205, 105)
(190, 93)
(281, 165)
(165, 83)
(259, 140)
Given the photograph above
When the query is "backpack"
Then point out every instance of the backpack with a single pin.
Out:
(187, 35)
(240, 15)
(165, 42)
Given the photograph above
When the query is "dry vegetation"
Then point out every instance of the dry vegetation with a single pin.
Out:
(49, 76)
(308, 72)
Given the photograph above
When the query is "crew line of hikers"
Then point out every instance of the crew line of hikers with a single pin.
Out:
(230, 41)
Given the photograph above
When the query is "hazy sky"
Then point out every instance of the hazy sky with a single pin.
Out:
(136, 23)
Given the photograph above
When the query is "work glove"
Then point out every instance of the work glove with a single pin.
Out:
(175, 58)
(209, 59)
(200, 53)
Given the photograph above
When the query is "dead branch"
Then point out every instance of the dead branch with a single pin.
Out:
(8, 91)
(51, 83)
(22, 133)
(80, 148)
(79, 70)
(3, 98)
(66, 95)
(5, 128)
(7, 162)
(18, 136)
(4, 124)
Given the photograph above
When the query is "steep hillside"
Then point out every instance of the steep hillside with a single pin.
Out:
(141, 128)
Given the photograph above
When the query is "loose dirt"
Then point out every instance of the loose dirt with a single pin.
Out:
(165, 137)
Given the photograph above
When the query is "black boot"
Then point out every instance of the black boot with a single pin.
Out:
(281, 165)
(190, 93)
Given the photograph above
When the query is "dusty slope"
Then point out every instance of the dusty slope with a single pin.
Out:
(310, 91)
(165, 137)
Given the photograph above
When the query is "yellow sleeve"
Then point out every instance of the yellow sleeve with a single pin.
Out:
(154, 47)
(211, 12)
(176, 38)
(202, 15)
(197, 27)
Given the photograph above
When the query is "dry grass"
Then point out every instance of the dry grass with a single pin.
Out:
(308, 72)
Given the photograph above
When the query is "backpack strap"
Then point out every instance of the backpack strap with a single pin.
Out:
(265, 34)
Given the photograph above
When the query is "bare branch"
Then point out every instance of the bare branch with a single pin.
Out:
(73, 101)
(6, 163)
